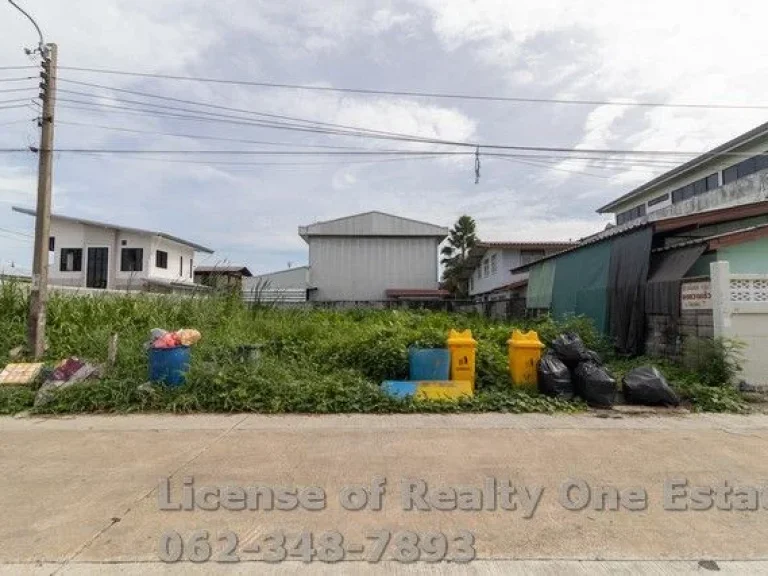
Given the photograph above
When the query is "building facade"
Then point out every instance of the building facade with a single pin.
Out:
(488, 266)
(97, 255)
(729, 175)
(363, 256)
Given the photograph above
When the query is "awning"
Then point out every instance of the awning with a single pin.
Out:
(667, 271)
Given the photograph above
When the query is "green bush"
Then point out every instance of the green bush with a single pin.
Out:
(312, 360)
(716, 361)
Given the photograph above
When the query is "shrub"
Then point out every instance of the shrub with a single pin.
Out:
(716, 361)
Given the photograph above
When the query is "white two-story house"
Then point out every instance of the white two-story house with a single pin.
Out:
(88, 254)
(488, 264)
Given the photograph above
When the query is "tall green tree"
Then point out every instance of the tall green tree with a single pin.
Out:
(461, 240)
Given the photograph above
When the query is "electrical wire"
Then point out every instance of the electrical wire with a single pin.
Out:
(245, 164)
(39, 32)
(18, 79)
(9, 231)
(417, 94)
(207, 137)
(5, 90)
(218, 107)
(242, 121)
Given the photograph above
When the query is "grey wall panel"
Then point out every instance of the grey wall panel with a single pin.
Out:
(364, 268)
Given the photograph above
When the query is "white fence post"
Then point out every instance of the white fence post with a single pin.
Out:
(720, 273)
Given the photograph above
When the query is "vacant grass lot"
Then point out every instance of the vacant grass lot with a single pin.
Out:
(312, 361)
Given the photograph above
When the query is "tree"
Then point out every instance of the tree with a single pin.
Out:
(461, 240)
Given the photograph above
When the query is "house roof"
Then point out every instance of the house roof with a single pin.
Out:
(745, 138)
(527, 245)
(477, 252)
(197, 247)
(717, 241)
(676, 224)
(373, 223)
(242, 270)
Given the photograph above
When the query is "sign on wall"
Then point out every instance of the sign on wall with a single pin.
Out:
(696, 296)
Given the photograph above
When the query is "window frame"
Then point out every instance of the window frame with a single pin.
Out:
(164, 264)
(77, 259)
(494, 264)
(139, 251)
(658, 200)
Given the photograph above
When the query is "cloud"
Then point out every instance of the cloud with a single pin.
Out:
(249, 212)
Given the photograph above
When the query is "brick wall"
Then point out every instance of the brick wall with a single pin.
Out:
(665, 337)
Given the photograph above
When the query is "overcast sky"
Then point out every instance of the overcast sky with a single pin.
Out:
(662, 51)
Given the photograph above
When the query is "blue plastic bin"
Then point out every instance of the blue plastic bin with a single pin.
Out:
(429, 363)
(169, 365)
(399, 388)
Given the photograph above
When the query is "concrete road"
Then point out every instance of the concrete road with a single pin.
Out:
(84, 495)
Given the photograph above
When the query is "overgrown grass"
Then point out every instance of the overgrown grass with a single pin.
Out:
(312, 361)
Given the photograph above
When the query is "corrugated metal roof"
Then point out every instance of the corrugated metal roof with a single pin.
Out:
(532, 245)
(744, 234)
(761, 130)
(609, 232)
(197, 247)
(373, 224)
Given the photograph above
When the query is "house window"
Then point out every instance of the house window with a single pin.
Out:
(479, 272)
(71, 260)
(486, 268)
(713, 182)
(161, 259)
(494, 266)
(51, 244)
(190, 268)
(729, 175)
(528, 256)
(631, 214)
(471, 283)
(132, 260)
(747, 167)
(181, 265)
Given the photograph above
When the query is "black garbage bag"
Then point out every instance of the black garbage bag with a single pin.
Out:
(646, 385)
(595, 385)
(554, 377)
(570, 349)
(594, 357)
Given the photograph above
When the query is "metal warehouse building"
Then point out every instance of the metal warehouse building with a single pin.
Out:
(372, 256)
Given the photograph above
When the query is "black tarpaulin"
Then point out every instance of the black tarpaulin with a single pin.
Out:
(627, 277)
(665, 277)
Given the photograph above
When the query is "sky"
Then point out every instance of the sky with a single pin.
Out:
(652, 51)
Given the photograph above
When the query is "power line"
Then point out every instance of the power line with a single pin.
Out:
(207, 137)
(200, 115)
(4, 90)
(18, 79)
(549, 157)
(418, 94)
(9, 231)
(245, 164)
(218, 107)
(16, 122)
(13, 107)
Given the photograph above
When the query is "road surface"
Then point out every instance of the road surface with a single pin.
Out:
(85, 495)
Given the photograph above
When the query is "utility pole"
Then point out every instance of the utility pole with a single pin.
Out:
(38, 297)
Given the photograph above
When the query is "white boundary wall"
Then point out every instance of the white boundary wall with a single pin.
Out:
(740, 310)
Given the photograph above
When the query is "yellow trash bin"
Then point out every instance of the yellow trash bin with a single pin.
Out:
(524, 355)
(462, 347)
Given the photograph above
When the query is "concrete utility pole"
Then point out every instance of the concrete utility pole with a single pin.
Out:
(39, 295)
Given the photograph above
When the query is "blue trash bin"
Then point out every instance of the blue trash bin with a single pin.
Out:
(169, 366)
(429, 363)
